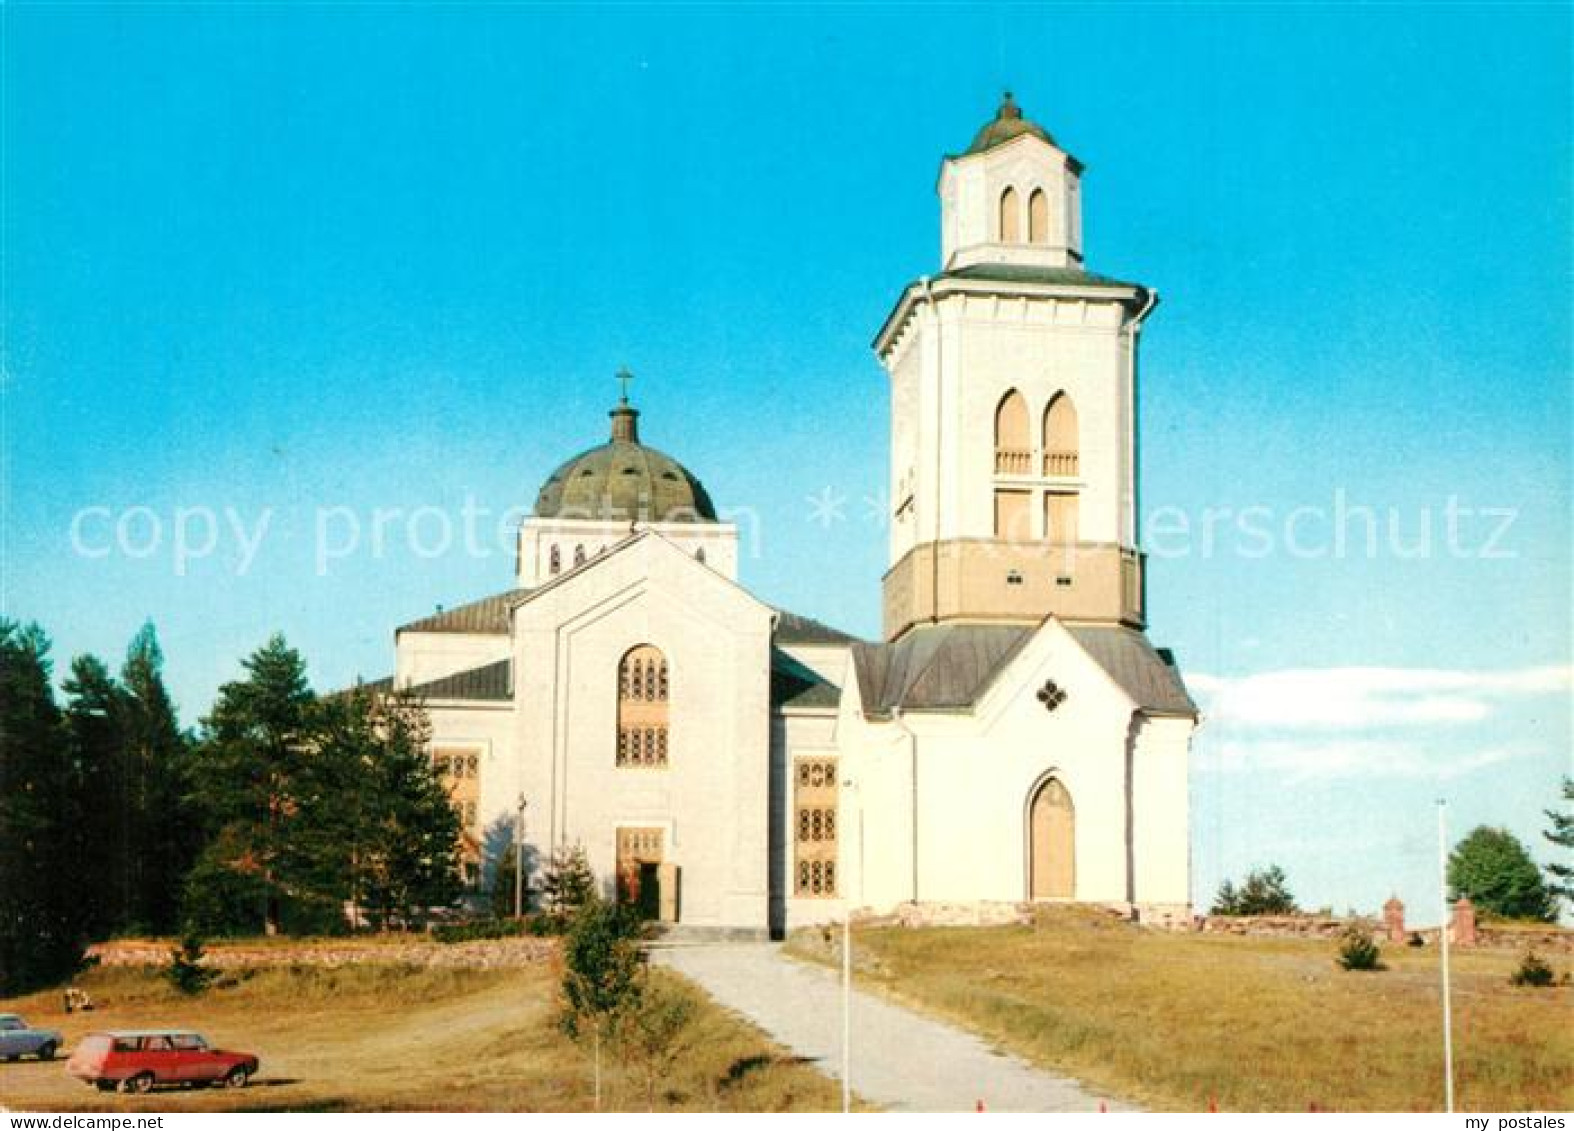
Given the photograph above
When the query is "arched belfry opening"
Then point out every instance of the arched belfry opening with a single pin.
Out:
(1010, 216)
(1051, 832)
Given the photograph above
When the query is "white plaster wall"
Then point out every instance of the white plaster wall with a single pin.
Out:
(1161, 811)
(1039, 347)
(420, 657)
(829, 661)
(713, 798)
(537, 536)
(970, 190)
(976, 773)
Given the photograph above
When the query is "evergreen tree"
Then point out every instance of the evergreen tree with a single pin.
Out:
(1561, 834)
(375, 827)
(158, 756)
(247, 769)
(1266, 891)
(1495, 871)
(42, 928)
(106, 841)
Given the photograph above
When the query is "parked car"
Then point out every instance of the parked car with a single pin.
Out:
(137, 1061)
(17, 1039)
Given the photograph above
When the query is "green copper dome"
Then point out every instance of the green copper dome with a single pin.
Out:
(1008, 124)
(624, 481)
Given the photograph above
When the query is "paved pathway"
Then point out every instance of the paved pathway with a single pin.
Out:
(901, 1060)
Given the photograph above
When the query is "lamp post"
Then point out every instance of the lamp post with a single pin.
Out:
(519, 859)
(1442, 938)
(847, 958)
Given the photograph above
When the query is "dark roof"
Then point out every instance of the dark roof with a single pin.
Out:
(624, 479)
(489, 682)
(1008, 124)
(1146, 674)
(935, 667)
(1027, 273)
(794, 629)
(489, 615)
(796, 685)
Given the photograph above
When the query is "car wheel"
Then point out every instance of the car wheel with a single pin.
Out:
(103, 1085)
(140, 1084)
(236, 1078)
(46, 1051)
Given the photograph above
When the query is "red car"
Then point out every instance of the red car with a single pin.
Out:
(136, 1061)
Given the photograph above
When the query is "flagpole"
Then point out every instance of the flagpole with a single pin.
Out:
(1442, 934)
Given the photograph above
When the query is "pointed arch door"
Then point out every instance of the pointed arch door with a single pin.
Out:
(1051, 843)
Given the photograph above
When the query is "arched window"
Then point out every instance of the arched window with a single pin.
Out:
(1060, 436)
(643, 686)
(1038, 217)
(555, 560)
(1010, 217)
(579, 555)
(1013, 444)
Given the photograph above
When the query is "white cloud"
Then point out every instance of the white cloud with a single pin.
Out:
(1296, 760)
(1368, 698)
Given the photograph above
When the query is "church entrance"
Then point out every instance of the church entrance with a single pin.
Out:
(640, 857)
(1051, 843)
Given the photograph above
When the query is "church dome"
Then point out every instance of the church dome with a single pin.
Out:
(623, 480)
(1008, 124)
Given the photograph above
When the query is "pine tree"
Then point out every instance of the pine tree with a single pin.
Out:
(1562, 834)
(158, 754)
(1495, 870)
(375, 826)
(106, 841)
(42, 928)
(247, 769)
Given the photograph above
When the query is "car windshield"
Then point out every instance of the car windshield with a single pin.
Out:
(12, 1023)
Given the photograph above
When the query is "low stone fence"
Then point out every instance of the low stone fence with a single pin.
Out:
(485, 954)
(1280, 926)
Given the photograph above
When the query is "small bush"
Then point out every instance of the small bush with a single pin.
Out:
(534, 925)
(186, 971)
(1358, 951)
(1532, 971)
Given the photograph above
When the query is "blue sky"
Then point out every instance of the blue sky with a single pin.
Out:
(265, 260)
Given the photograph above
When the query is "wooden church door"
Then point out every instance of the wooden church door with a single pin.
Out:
(1052, 843)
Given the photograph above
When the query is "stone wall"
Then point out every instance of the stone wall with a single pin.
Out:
(484, 954)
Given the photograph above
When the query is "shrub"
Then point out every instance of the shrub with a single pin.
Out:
(1358, 951)
(536, 926)
(568, 883)
(1532, 971)
(1266, 891)
(186, 971)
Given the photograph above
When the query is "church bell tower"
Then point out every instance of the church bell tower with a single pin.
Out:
(1013, 404)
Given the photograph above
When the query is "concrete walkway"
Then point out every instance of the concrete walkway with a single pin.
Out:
(901, 1061)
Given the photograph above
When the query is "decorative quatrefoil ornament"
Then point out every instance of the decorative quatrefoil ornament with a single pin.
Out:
(1051, 695)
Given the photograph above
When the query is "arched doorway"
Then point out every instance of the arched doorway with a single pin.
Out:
(1051, 843)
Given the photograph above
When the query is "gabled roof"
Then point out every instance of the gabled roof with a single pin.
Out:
(935, 667)
(489, 683)
(1141, 671)
(794, 685)
(488, 616)
(794, 629)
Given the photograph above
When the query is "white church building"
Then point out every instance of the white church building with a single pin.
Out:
(1014, 737)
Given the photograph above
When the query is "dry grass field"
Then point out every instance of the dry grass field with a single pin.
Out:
(386, 1037)
(1257, 1024)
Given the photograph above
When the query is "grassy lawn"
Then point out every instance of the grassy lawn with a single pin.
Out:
(386, 1037)
(1170, 1020)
